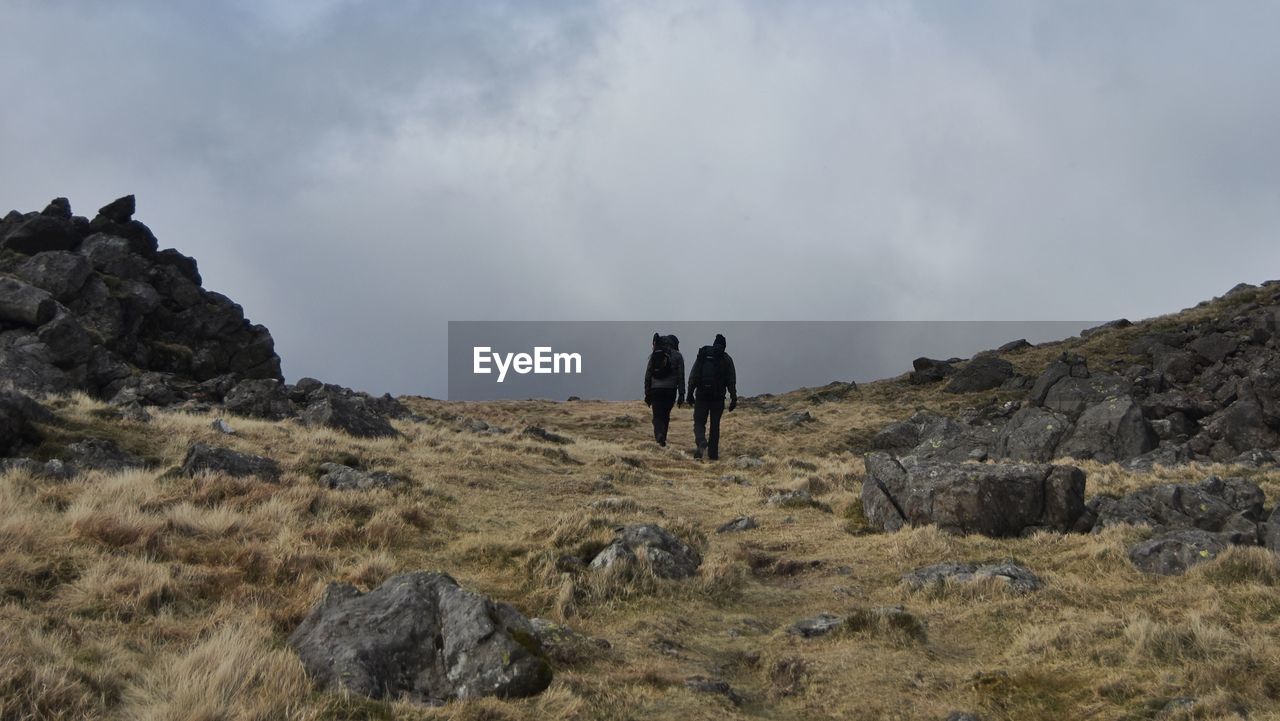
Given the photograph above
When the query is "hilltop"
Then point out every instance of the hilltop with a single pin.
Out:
(174, 512)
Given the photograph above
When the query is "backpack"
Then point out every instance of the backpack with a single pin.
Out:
(660, 363)
(711, 378)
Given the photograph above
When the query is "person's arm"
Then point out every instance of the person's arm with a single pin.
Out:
(648, 378)
(694, 376)
(732, 381)
(680, 379)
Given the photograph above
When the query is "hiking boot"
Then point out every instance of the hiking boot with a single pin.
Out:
(713, 457)
(698, 453)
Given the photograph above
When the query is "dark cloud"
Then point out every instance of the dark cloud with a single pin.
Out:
(356, 174)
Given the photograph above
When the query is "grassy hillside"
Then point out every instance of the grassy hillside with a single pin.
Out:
(150, 595)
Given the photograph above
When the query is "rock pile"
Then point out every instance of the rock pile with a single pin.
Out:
(96, 306)
(1200, 390)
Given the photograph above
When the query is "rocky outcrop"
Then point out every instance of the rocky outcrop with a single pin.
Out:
(1201, 390)
(990, 499)
(668, 556)
(94, 306)
(421, 637)
(18, 416)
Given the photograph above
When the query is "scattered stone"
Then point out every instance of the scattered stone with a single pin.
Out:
(747, 462)
(668, 556)
(220, 425)
(1172, 553)
(1018, 578)
(716, 686)
(202, 458)
(737, 525)
(54, 470)
(796, 499)
(542, 434)
(565, 645)
(345, 478)
(101, 454)
(1013, 346)
(422, 637)
(820, 625)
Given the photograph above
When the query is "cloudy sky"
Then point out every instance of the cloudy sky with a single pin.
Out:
(356, 174)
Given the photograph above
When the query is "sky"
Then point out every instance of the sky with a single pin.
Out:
(357, 174)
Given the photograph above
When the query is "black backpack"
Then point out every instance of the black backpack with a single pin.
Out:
(660, 363)
(711, 376)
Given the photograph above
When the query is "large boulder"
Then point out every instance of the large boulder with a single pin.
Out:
(202, 458)
(983, 373)
(1240, 427)
(990, 499)
(1073, 395)
(42, 232)
(1068, 365)
(667, 555)
(1112, 430)
(928, 370)
(421, 637)
(348, 414)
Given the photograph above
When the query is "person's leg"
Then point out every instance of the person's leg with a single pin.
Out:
(699, 426)
(713, 442)
(664, 399)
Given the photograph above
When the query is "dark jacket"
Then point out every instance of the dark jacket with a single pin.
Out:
(674, 379)
(728, 374)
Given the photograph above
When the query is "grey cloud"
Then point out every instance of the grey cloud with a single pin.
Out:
(358, 174)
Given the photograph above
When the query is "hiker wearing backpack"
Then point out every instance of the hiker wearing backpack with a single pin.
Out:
(712, 376)
(664, 383)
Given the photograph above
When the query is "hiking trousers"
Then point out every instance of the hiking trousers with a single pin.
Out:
(663, 399)
(704, 411)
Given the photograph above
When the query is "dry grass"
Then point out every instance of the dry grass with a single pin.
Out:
(150, 595)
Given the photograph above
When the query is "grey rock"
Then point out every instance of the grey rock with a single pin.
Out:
(1032, 434)
(60, 273)
(1073, 395)
(101, 454)
(350, 415)
(741, 523)
(542, 434)
(747, 462)
(716, 686)
(668, 556)
(1014, 345)
(1208, 506)
(220, 425)
(1111, 430)
(40, 233)
(19, 415)
(120, 210)
(813, 627)
(259, 398)
(1068, 365)
(928, 370)
(990, 499)
(1018, 578)
(202, 458)
(345, 478)
(1172, 553)
(983, 373)
(796, 499)
(421, 637)
(21, 302)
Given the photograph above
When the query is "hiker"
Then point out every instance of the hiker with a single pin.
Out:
(712, 376)
(664, 383)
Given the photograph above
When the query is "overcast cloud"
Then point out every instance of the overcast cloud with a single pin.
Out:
(356, 174)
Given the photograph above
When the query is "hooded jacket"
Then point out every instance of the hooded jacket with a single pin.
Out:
(674, 379)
